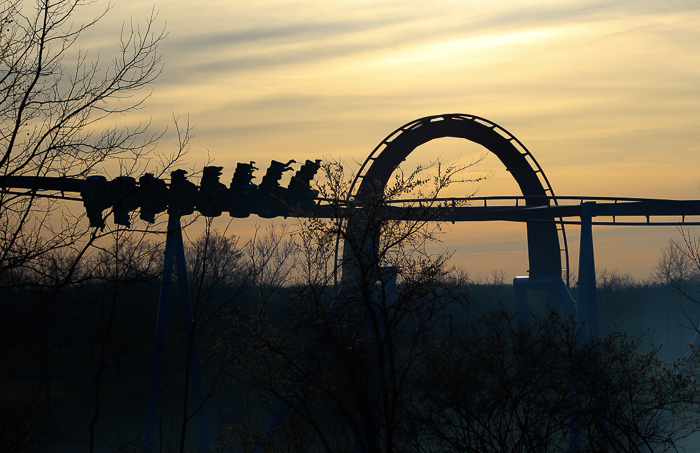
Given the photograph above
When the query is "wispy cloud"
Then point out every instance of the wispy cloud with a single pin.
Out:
(247, 47)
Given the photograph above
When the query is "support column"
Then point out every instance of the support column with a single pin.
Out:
(587, 308)
(175, 250)
(161, 322)
(587, 298)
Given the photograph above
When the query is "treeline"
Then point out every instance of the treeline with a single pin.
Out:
(76, 354)
(76, 361)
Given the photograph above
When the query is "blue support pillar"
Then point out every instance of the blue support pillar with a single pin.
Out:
(587, 306)
(161, 322)
(174, 250)
(587, 298)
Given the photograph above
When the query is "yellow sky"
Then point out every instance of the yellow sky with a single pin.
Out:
(605, 94)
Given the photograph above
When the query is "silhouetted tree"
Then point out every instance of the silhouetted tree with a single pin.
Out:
(53, 100)
(393, 360)
(55, 104)
(339, 363)
(500, 386)
(105, 318)
(678, 265)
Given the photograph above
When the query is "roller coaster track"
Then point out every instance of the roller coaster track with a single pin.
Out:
(655, 211)
(544, 213)
(563, 209)
(511, 151)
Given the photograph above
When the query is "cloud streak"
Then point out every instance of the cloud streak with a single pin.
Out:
(263, 46)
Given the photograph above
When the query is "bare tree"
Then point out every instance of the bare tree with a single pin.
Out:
(53, 102)
(678, 265)
(58, 106)
(129, 260)
(218, 277)
(501, 386)
(337, 365)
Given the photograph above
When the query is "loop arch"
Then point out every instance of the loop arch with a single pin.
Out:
(543, 238)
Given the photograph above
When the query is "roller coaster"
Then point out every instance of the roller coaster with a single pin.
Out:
(545, 215)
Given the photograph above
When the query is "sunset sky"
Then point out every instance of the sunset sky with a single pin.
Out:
(605, 94)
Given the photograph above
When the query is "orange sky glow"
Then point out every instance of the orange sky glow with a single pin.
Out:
(605, 94)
